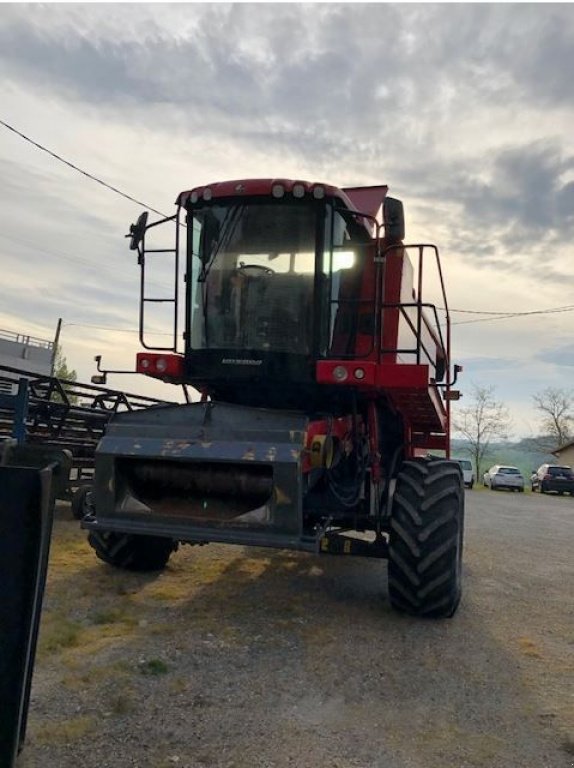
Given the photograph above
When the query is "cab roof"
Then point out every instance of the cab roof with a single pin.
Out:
(362, 199)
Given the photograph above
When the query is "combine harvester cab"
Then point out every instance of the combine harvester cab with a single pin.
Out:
(325, 381)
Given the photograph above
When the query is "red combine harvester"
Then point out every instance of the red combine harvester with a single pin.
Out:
(325, 380)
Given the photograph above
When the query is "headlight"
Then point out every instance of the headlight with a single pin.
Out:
(340, 373)
(207, 194)
(161, 364)
(298, 190)
(278, 190)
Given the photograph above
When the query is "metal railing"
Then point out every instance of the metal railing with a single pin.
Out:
(25, 340)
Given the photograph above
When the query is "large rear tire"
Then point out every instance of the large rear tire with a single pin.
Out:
(131, 552)
(426, 538)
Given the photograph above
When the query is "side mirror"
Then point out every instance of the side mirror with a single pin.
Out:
(137, 231)
(99, 379)
(394, 219)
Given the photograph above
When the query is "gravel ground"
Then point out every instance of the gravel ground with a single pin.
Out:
(246, 658)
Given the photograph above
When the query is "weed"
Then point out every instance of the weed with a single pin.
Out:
(153, 667)
(123, 704)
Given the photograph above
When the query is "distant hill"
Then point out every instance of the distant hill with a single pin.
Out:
(522, 454)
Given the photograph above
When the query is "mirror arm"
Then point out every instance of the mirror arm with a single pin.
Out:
(103, 377)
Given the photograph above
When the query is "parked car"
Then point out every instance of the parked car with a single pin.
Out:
(467, 472)
(501, 476)
(553, 477)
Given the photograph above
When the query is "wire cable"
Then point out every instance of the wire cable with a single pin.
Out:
(80, 170)
(508, 315)
(488, 316)
(108, 328)
(565, 308)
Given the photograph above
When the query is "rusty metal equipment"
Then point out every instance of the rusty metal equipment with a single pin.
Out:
(325, 380)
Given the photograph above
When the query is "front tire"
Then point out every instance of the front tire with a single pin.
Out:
(131, 552)
(426, 538)
(79, 502)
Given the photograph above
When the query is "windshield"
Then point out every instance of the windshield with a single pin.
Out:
(252, 275)
(253, 283)
(560, 471)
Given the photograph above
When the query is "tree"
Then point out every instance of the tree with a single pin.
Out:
(484, 420)
(61, 371)
(557, 419)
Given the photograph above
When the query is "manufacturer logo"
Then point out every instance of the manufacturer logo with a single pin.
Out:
(235, 361)
(240, 188)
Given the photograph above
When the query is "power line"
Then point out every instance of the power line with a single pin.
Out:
(508, 315)
(489, 316)
(108, 328)
(79, 170)
(566, 308)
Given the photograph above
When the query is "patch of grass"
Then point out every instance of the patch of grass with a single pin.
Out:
(153, 667)
(122, 704)
(484, 747)
(253, 568)
(179, 685)
(57, 633)
(529, 648)
(108, 616)
(160, 630)
(83, 678)
(64, 731)
(95, 638)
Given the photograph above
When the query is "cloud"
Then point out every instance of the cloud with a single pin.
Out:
(464, 110)
(561, 356)
(484, 364)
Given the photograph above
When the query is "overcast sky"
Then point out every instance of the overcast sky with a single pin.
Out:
(465, 111)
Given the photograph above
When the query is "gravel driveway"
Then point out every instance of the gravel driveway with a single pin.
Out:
(249, 658)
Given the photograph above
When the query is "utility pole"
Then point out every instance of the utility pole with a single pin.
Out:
(55, 347)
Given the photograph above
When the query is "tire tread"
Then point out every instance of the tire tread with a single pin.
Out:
(426, 536)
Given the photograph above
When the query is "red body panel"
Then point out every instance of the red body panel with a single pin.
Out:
(167, 367)
(248, 187)
(367, 199)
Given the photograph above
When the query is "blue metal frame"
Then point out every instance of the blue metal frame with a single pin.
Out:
(19, 404)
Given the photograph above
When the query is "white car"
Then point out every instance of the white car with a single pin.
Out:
(501, 476)
(467, 472)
